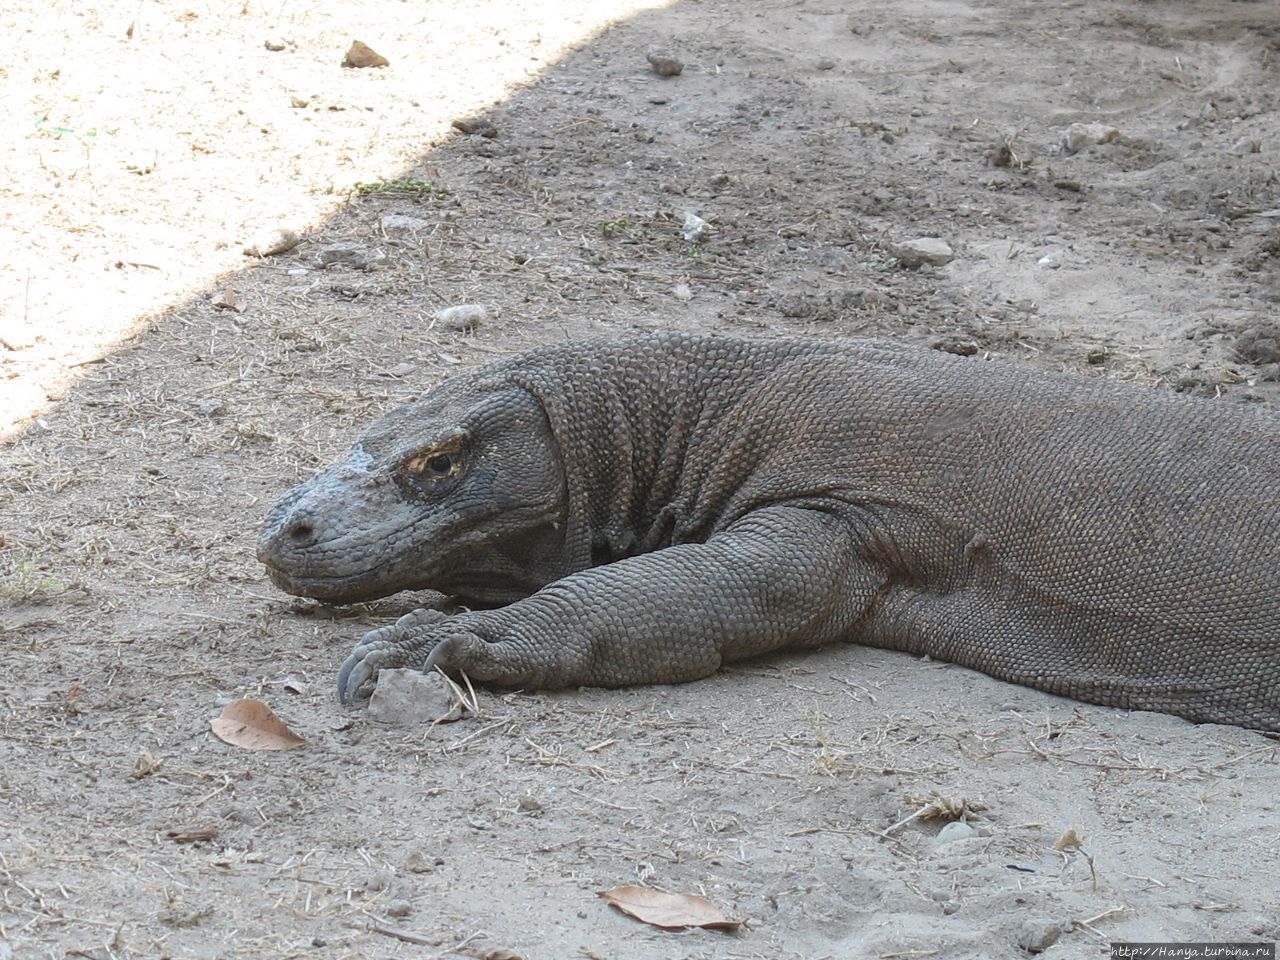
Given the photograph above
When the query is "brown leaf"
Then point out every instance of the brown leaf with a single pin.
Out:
(145, 765)
(228, 299)
(671, 911)
(192, 836)
(251, 724)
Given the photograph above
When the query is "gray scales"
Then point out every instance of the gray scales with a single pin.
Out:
(645, 510)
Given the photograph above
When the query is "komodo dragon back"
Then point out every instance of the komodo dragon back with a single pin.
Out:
(645, 510)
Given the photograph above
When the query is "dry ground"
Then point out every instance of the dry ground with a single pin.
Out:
(811, 135)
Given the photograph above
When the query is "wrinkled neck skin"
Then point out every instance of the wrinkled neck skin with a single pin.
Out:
(630, 430)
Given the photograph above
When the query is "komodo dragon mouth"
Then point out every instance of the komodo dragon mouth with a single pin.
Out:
(651, 508)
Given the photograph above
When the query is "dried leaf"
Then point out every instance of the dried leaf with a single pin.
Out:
(199, 835)
(251, 724)
(671, 911)
(1069, 841)
(145, 765)
(228, 299)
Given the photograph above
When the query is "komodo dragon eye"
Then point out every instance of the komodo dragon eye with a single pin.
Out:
(432, 465)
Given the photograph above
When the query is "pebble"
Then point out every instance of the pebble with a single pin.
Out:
(663, 63)
(410, 698)
(694, 227)
(350, 255)
(1036, 936)
(955, 343)
(362, 55)
(463, 318)
(682, 291)
(276, 44)
(271, 241)
(399, 908)
(402, 223)
(1080, 135)
(826, 63)
(378, 881)
(958, 830)
(930, 250)
(419, 862)
(1258, 345)
(476, 127)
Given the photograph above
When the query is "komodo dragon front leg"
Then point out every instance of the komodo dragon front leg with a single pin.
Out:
(781, 576)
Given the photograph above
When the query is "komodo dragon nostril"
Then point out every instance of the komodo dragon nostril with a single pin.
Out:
(302, 534)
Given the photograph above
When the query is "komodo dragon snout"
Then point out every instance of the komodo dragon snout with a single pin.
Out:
(416, 502)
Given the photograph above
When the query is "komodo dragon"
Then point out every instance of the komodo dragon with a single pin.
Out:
(643, 511)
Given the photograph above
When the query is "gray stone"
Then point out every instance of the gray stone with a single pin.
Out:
(663, 63)
(959, 830)
(410, 698)
(930, 250)
(271, 241)
(1080, 135)
(956, 343)
(463, 318)
(402, 223)
(1036, 936)
(350, 255)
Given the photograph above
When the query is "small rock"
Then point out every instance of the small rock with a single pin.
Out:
(476, 127)
(272, 241)
(276, 44)
(298, 103)
(1080, 135)
(402, 223)
(379, 881)
(527, 804)
(826, 63)
(1036, 936)
(399, 908)
(694, 227)
(930, 250)
(958, 830)
(209, 406)
(463, 318)
(419, 862)
(410, 698)
(1247, 145)
(663, 63)
(350, 255)
(961, 346)
(682, 291)
(362, 55)
(1258, 345)
(1049, 262)
(1096, 355)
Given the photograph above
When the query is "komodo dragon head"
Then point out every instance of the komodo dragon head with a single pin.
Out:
(461, 491)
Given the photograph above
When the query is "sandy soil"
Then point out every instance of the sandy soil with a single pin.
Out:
(152, 428)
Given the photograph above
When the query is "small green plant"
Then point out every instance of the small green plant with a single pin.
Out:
(402, 188)
(27, 584)
(610, 227)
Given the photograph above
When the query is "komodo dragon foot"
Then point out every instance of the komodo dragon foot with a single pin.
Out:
(406, 643)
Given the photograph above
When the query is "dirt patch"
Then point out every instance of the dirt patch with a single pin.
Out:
(810, 140)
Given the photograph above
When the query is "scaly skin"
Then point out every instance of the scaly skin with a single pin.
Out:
(646, 510)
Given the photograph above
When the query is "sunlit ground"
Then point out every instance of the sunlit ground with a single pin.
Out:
(146, 144)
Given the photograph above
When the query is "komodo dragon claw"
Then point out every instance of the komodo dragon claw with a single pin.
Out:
(404, 643)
